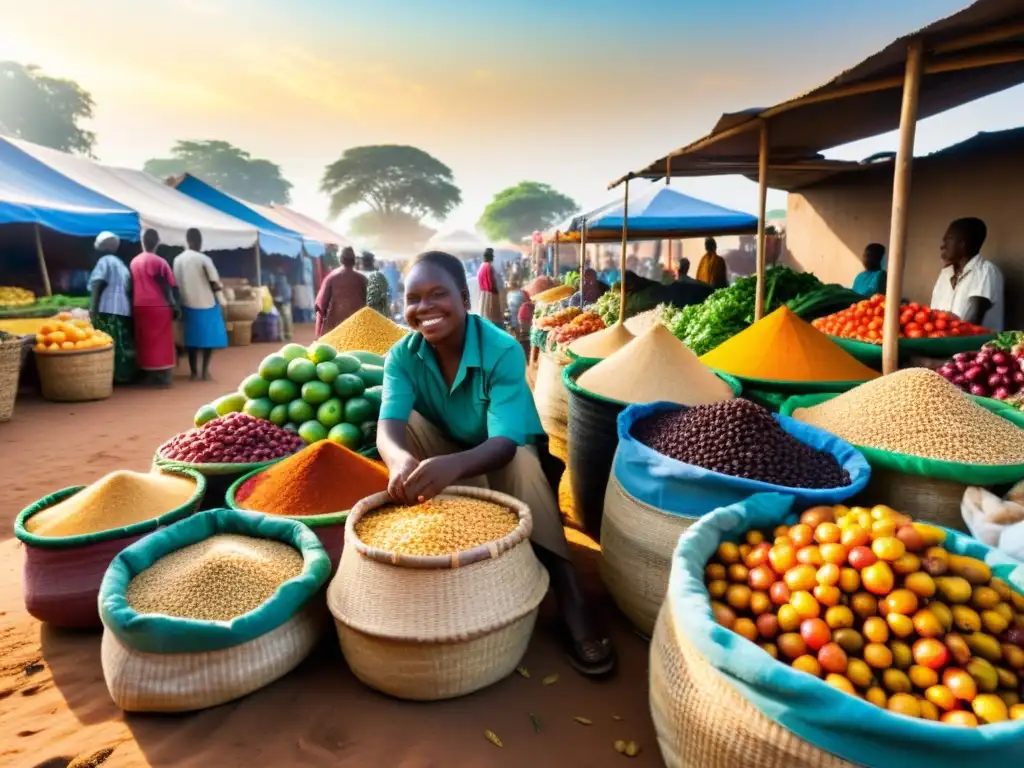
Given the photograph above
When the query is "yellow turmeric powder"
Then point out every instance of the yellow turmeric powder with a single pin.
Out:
(782, 347)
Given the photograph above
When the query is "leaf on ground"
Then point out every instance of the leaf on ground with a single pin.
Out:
(536, 722)
(523, 672)
(550, 680)
(492, 737)
(583, 720)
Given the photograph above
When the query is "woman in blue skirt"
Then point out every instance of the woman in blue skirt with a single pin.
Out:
(202, 303)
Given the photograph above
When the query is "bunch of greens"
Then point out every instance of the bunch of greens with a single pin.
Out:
(1008, 341)
(572, 279)
(702, 327)
(607, 306)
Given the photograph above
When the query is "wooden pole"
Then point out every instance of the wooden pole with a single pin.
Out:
(900, 201)
(259, 274)
(668, 182)
(622, 256)
(583, 254)
(556, 257)
(42, 261)
(762, 201)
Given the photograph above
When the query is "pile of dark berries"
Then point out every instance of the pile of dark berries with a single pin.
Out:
(237, 438)
(742, 439)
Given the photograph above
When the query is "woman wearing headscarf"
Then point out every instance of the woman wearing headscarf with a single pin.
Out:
(154, 309)
(110, 304)
(490, 291)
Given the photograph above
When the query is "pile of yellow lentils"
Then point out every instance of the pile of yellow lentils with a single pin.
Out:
(366, 330)
(440, 526)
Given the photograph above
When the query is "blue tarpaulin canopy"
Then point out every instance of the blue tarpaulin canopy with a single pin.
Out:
(274, 238)
(661, 213)
(33, 193)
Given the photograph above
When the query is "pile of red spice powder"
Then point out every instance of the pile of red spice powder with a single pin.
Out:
(318, 480)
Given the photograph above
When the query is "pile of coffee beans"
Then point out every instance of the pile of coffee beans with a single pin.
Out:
(742, 439)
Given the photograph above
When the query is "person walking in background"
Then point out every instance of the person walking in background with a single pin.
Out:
(303, 299)
(110, 305)
(342, 294)
(378, 295)
(202, 304)
(711, 269)
(281, 290)
(490, 291)
(154, 311)
(872, 280)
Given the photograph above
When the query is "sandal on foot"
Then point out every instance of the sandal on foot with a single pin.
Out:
(593, 658)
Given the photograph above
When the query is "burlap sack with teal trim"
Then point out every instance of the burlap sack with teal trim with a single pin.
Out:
(159, 663)
(926, 489)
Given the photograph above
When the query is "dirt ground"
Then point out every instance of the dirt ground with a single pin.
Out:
(54, 706)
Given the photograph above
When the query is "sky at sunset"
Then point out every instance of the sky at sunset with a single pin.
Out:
(567, 92)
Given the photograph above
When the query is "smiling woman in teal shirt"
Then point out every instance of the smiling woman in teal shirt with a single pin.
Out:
(456, 410)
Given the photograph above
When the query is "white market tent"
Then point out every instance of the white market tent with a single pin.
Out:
(159, 206)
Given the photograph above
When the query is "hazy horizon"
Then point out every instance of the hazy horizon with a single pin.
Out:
(573, 95)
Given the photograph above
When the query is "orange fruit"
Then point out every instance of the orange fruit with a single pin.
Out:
(841, 682)
(959, 717)
(807, 664)
(878, 578)
(904, 704)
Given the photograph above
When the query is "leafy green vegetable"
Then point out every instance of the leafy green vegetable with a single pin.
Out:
(1007, 340)
(702, 327)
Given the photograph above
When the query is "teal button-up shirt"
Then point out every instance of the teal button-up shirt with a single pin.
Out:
(489, 397)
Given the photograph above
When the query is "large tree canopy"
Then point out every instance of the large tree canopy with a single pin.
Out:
(226, 167)
(400, 185)
(44, 110)
(518, 211)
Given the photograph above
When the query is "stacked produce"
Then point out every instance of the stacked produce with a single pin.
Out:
(538, 285)
(582, 325)
(43, 307)
(67, 335)
(12, 296)
(782, 347)
(314, 391)
(876, 606)
(1008, 341)
(441, 526)
(863, 322)
(558, 318)
(366, 330)
(986, 373)
(637, 301)
(218, 579)
(741, 439)
(917, 412)
(114, 501)
(320, 479)
(655, 366)
(237, 438)
(702, 327)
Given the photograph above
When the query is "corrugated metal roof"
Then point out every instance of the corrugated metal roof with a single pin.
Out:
(988, 31)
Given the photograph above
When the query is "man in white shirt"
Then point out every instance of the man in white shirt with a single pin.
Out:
(969, 286)
(201, 302)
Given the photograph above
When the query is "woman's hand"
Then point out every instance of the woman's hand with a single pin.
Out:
(399, 477)
(431, 477)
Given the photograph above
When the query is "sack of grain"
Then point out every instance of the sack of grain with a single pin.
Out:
(720, 701)
(552, 400)
(938, 441)
(651, 499)
(461, 586)
(210, 609)
(71, 536)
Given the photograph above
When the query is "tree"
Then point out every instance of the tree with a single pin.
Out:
(400, 185)
(518, 211)
(226, 167)
(44, 110)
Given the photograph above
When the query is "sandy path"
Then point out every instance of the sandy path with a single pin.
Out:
(54, 706)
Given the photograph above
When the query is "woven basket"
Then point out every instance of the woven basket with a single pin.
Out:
(551, 398)
(10, 370)
(702, 722)
(244, 311)
(637, 542)
(929, 500)
(76, 377)
(429, 628)
(241, 333)
(184, 682)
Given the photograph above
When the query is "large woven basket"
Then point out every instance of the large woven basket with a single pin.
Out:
(637, 542)
(551, 398)
(241, 333)
(10, 370)
(428, 628)
(76, 377)
(243, 310)
(928, 499)
(702, 722)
